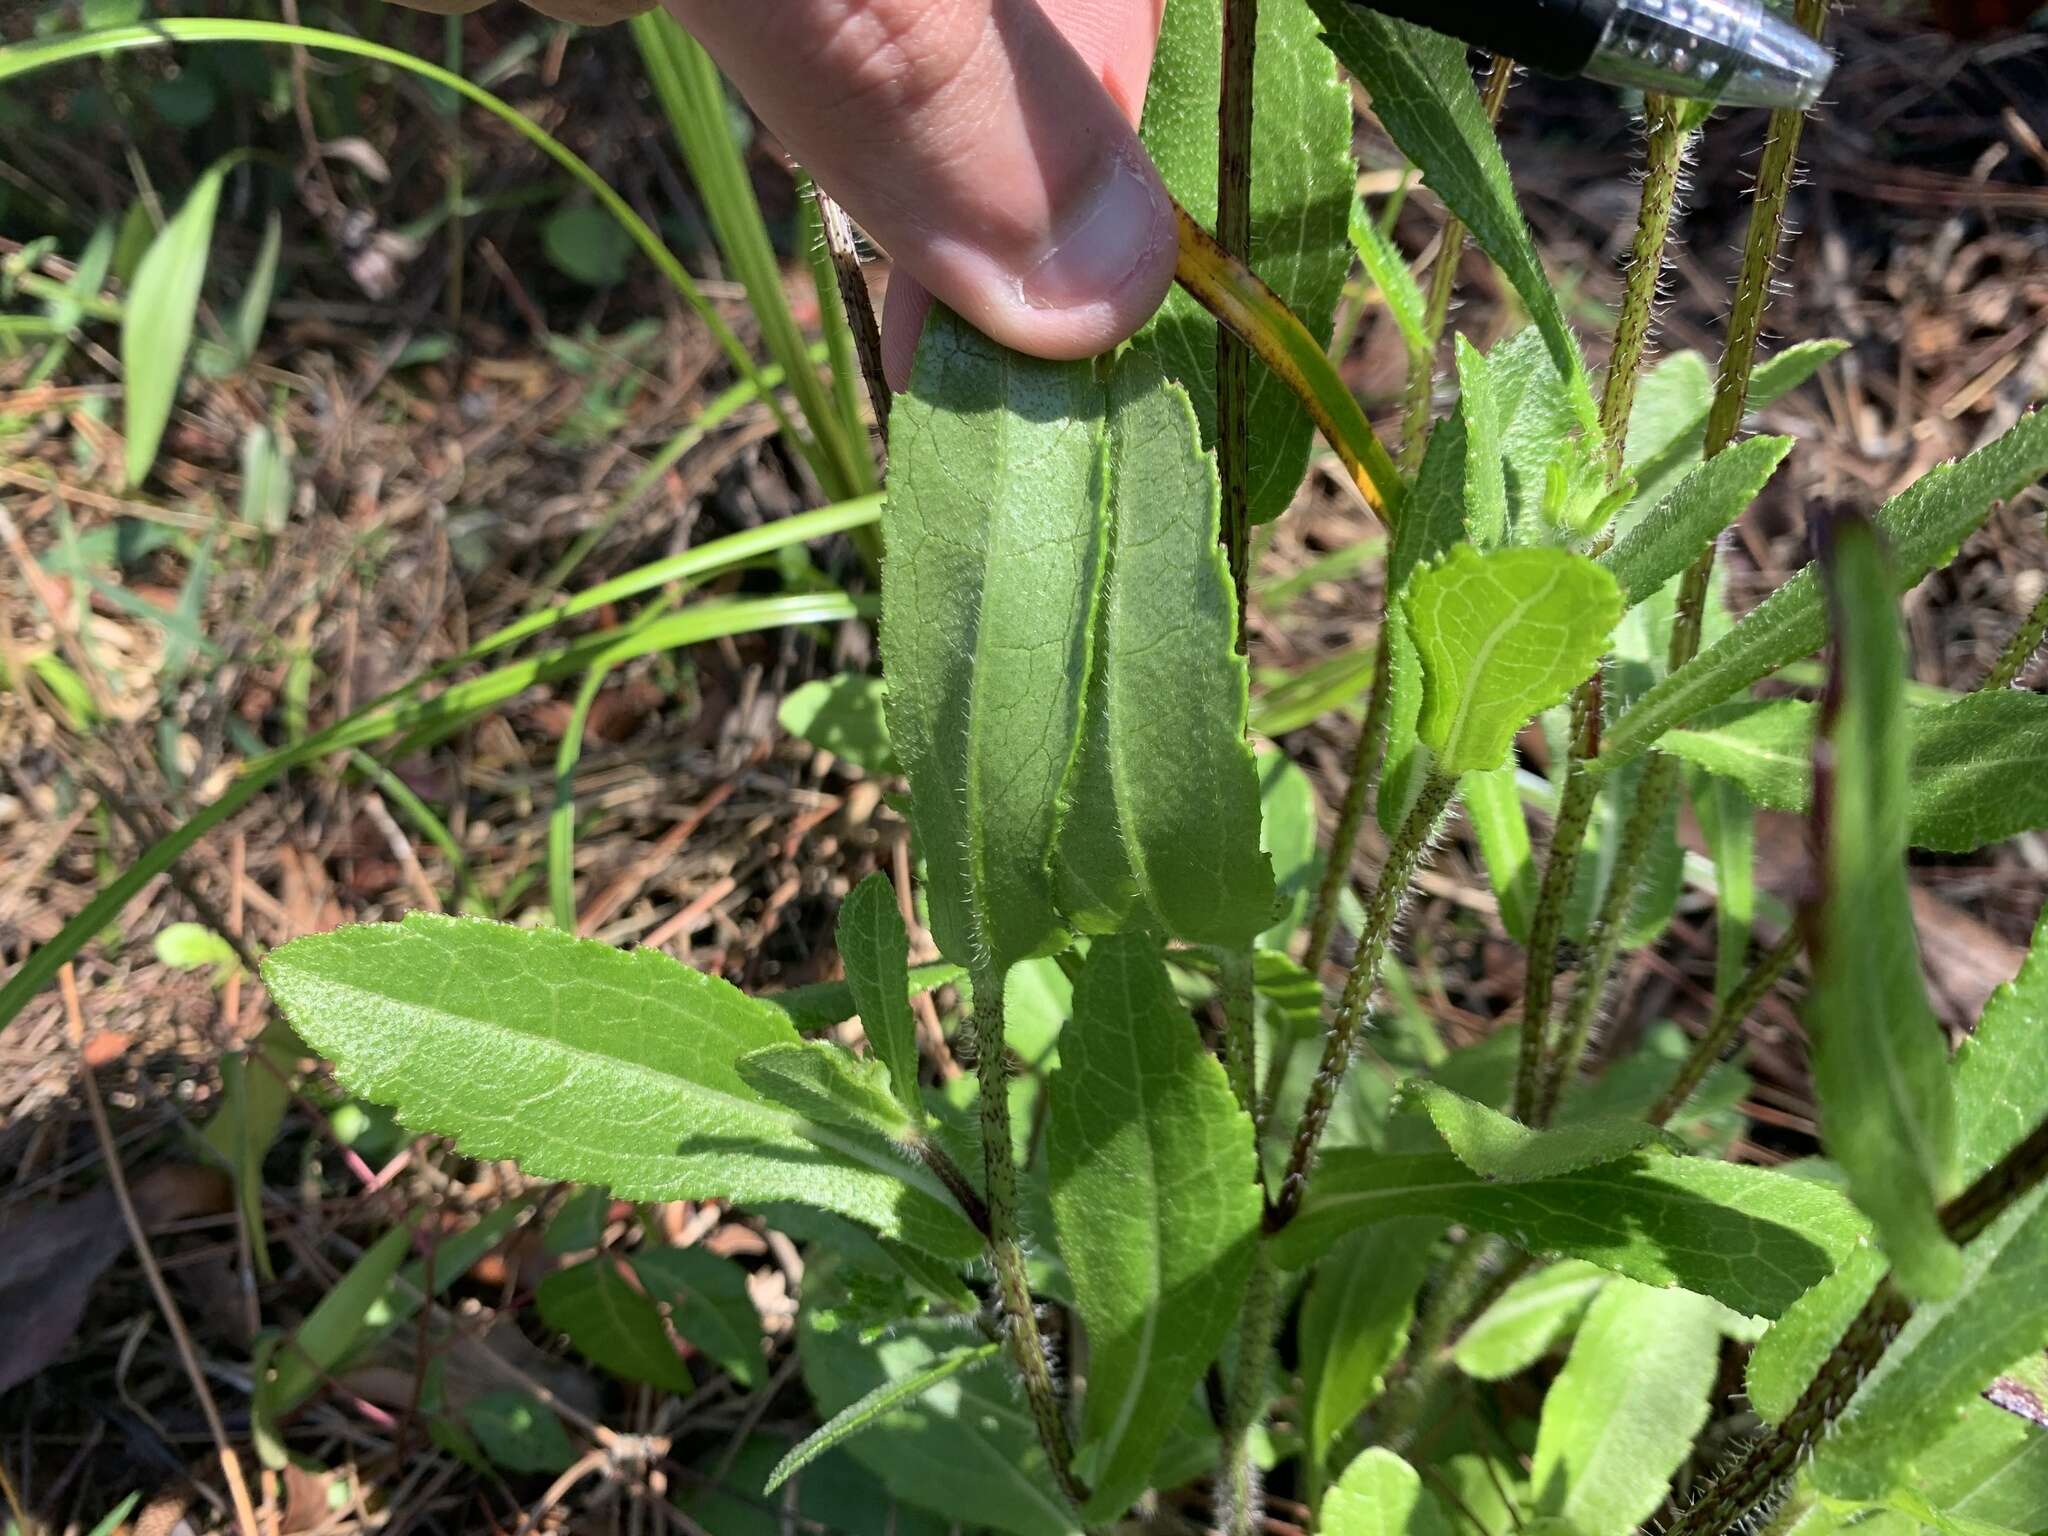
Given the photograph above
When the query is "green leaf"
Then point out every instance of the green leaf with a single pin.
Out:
(255, 306)
(1422, 92)
(1943, 1357)
(1497, 1147)
(1167, 703)
(1685, 524)
(194, 947)
(1922, 526)
(1391, 274)
(1531, 1315)
(255, 1087)
(586, 244)
(1287, 836)
(822, 1004)
(825, 1082)
(1301, 195)
(843, 715)
(579, 1225)
(1880, 1067)
(1789, 1356)
(994, 532)
(1155, 1207)
(1750, 1238)
(965, 1447)
(866, 1412)
(1502, 637)
(1486, 489)
(1354, 1323)
(707, 1304)
(1991, 1467)
(1381, 1495)
(1621, 1416)
(587, 1063)
(1727, 822)
(875, 948)
(519, 1432)
(156, 322)
(308, 1356)
(1493, 806)
(612, 1324)
(2002, 1069)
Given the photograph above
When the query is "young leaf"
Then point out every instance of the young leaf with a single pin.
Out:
(1943, 1357)
(865, 1412)
(1499, 1148)
(1531, 1315)
(843, 715)
(1880, 1070)
(875, 948)
(1923, 526)
(1685, 524)
(825, 1082)
(1301, 196)
(612, 1324)
(1390, 273)
(587, 1063)
(1493, 807)
(1727, 821)
(156, 322)
(1166, 709)
(1486, 489)
(993, 527)
(1155, 1206)
(1621, 1416)
(708, 1306)
(1405, 764)
(1502, 637)
(964, 1447)
(1750, 1238)
(1354, 1323)
(1423, 93)
(1380, 1495)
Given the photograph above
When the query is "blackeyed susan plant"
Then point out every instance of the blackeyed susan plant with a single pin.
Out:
(1168, 1253)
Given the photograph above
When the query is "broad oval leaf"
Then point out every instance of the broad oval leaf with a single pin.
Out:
(1165, 819)
(1880, 1063)
(994, 536)
(845, 716)
(612, 1323)
(707, 1304)
(1503, 636)
(156, 322)
(1155, 1207)
(1498, 1147)
(1301, 195)
(588, 1063)
(1532, 1314)
(874, 945)
(1381, 1495)
(1621, 1416)
(1923, 527)
(1752, 1239)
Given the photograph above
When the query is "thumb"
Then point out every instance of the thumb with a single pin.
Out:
(994, 162)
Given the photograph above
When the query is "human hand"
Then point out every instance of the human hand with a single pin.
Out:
(987, 145)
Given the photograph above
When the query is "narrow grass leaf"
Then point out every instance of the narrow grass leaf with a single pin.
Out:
(1621, 1416)
(254, 309)
(1502, 637)
(1923, 526)
(1681, 527)
(1381, 1495)
(156, 322)
(308, 1356)
(1752, 1239)
(866, 1412)
(1354, 1323)
(1155, 1206)
(1499, 1148)
(1531, 1315)
(874, 946)
(612, 1323)
(1301, 195)
(994, 531)
(1880, 1068)
(588, 1063)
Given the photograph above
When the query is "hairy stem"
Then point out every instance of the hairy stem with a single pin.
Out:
(1365, 762)
(1732, 1498)
(2021, 648)
(1663, 162)
(1234, 234)
(1443, 283)
(1005, 1251)
(1467, 1278)
(1246, 1403)
(1381, 913)
(1729, 1015)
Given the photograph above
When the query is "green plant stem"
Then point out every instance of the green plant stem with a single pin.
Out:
(1005, 1249)
(1443, 283)
(1742, 998)
(1468, 1278)
(2021, 648)
(1733, 1498)
(1365, 763)
(1234, 234)
(1246, 1402)
(1663, 163)
(1389, 896)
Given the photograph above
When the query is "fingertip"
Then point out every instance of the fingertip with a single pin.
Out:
(904, 308)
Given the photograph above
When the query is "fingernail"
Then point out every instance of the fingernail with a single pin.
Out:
(1112, 232)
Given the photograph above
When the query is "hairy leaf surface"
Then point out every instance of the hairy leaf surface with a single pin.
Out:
(875, 948)
(588, 1063)
(2002, 1069)
(1681, 527)
(825, 1082)
(1498, 1147)
(1381, 1495)
(1531, 1315)
(1155, 1206)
